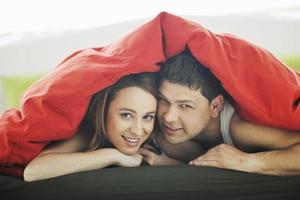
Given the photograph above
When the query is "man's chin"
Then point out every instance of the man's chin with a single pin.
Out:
(173, 139)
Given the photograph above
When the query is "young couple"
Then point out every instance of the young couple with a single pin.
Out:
(198, 125)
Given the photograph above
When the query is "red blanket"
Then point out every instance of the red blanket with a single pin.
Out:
(266, 91)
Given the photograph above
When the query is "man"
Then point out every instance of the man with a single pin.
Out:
(200, 126)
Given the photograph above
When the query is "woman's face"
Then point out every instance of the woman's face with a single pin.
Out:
(130, 119)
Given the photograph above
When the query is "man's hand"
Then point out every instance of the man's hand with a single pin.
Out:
(225, 156)
(154, 159)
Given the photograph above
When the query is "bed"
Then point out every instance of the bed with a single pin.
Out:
(164, 182)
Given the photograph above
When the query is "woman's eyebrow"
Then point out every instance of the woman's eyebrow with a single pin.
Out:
(133, 111)
(127, 109)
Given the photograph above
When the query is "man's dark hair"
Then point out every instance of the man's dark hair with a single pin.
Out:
(185, 70)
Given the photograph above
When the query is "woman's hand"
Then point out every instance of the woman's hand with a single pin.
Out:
(154, 159)
(128, 160)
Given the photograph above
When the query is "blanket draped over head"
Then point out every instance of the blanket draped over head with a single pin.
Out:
(265, 90)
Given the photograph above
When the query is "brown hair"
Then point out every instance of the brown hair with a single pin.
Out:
(185, 70)
(94, 120)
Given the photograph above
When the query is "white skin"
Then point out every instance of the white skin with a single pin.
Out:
(130, 122)
(179, 112)
(188, 120)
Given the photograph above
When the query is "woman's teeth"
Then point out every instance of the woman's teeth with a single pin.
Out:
(132, 141)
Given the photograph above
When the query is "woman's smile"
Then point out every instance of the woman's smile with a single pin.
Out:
(131, 141)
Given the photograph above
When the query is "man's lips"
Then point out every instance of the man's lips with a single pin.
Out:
(171, 131)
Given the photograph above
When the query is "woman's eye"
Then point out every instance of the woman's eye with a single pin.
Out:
(149, 117)
(126, 115)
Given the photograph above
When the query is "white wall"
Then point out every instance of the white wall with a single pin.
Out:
(40, 52)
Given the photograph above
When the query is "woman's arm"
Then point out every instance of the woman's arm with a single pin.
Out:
(65, 158)
(58, 164)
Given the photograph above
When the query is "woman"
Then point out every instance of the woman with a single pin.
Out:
(119, 120)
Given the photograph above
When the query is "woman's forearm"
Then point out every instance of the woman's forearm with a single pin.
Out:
(53, 165)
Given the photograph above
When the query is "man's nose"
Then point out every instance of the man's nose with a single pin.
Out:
(170, 114)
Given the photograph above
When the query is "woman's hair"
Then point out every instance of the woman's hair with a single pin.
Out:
(94, 121)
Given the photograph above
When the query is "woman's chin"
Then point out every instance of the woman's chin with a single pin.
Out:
(129, 151)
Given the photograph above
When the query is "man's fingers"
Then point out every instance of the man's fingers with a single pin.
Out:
(204, 162)
(205, 159)
(211, 163)
(147, 146)
(146, 152)
(147, 156)
(152, 149)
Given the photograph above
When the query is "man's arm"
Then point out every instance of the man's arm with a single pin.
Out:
(171, 154)
(282, 147)
(250, 137)
(279, 155)
(278, 162)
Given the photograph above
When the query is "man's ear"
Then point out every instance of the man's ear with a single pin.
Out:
(216, 106)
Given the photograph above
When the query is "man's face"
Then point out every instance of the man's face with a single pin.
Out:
(183, 113)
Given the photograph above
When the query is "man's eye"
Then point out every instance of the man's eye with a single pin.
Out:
(149, 117)
(126, 115)
(185, 106)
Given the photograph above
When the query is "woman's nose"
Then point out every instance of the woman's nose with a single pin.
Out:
(137, 128)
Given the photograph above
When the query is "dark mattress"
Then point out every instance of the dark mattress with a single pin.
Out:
(164, 182)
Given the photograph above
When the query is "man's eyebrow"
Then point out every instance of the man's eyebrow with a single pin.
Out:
(185, 101)
(177, 101)
(162, 96)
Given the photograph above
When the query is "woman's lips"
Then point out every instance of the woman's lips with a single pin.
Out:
(131, 141)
